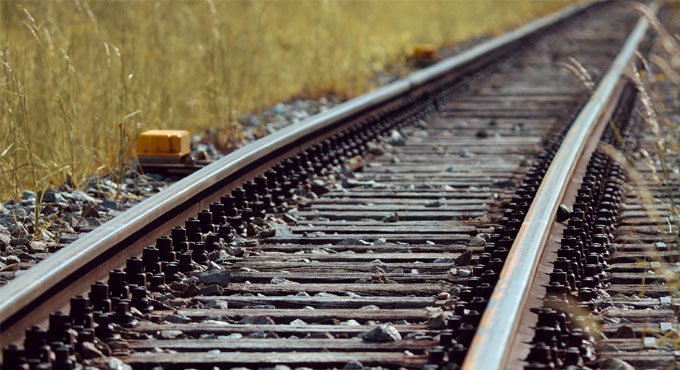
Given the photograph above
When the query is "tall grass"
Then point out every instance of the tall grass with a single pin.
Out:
(80, 78)
(659, 89)
(655, 170)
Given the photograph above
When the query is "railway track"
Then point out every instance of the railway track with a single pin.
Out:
(372, 236)
(625, 302)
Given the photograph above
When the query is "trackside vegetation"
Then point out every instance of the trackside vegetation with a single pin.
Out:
(79, 79)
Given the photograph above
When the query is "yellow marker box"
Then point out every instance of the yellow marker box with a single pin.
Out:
(163, 143)
(425, 52)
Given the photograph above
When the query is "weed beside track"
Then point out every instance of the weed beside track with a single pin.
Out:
(80, 79)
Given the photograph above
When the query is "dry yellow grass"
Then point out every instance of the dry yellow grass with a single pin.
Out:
(80, 78)
(659, 93)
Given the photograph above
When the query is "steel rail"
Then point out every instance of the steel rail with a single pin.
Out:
(490, 348)
(68, 265)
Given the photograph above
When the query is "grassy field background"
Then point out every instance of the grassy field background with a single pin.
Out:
(80, 79)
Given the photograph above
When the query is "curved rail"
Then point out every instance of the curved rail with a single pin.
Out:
(66, 267)
(506, 305)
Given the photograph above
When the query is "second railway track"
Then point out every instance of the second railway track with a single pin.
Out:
(374, 241)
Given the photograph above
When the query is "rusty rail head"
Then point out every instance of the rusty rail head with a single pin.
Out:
(490, 348)
(96, 250)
